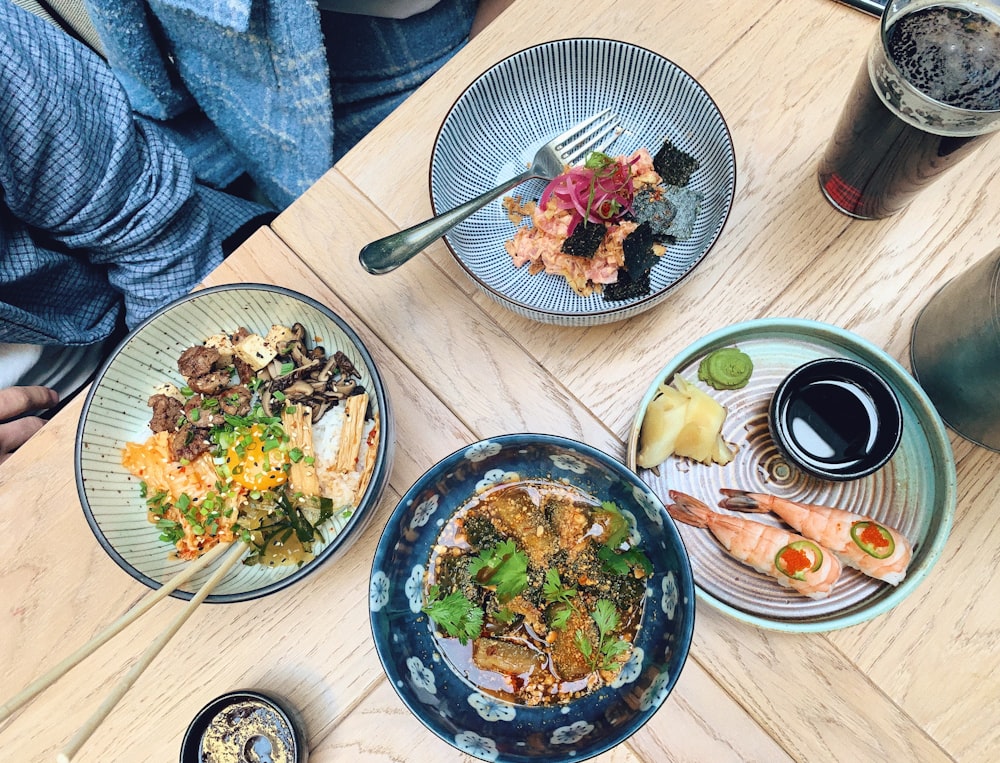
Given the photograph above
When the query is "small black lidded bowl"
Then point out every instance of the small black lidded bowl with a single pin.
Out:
(245, 727)
(836, 419)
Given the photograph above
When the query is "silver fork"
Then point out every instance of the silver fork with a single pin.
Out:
(569, 148)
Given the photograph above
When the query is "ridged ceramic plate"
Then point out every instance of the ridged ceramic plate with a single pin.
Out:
(115, 412)
(915, 492)
(495, 127)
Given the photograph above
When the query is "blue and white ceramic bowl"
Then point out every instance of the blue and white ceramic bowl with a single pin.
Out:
(115, 412)
(495, 127)
(482, 725)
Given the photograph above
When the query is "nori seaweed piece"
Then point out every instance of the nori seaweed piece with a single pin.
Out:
(585, 240)
(627, 287)
(686, 202)
(638, 248)
(633, 279)
(650, 205)
(673, 165)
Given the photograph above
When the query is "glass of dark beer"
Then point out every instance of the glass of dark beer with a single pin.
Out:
(927, 95)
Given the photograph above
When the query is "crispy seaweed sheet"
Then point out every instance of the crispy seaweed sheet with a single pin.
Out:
(627, 286)
(673, 165)
(585, 239)
(638, 247)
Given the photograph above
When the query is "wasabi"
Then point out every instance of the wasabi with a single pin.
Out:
(726, 368)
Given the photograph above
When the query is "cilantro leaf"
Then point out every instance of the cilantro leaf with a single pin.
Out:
(613, 561)
(605, 616)
(560, 614)
(622, 562)
(553, 588)
(455, 614)
(502, 566)
(606, 619)
(559, 597)
(584, 645)
(505, 616)
(636, 558)
(612, 649)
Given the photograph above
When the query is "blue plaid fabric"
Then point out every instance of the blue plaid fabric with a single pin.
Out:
(101, 220)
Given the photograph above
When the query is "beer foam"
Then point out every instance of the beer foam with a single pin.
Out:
(950, 54)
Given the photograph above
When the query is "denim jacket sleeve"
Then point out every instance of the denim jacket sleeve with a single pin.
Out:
(101, 217)
(256, 68)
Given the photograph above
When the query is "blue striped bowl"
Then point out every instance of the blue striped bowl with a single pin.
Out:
(495, 127)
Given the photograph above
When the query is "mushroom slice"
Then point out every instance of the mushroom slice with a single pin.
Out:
(319, 409)
(344, 389)
(299, 388)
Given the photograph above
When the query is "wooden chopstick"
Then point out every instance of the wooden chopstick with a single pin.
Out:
(58, 671)
(88, 728)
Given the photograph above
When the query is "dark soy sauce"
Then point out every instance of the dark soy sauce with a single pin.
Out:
(832, 421)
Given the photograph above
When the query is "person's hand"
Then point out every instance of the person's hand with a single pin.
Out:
(15, 401)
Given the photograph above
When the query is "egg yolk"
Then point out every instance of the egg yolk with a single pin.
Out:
(255, 468)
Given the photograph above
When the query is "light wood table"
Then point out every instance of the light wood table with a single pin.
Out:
(916, 684)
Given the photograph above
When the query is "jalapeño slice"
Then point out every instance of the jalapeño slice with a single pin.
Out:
(798, 558)
(873, 539)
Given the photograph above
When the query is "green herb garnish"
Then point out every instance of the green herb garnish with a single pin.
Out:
(502, 566)
(455, 614)
(605, 617)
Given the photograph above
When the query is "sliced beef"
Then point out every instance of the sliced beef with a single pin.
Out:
(189, 442)
(235, 400)
(167, 412)
(197, 361)
(210, 383)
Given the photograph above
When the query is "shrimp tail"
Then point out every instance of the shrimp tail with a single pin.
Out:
(689, 510)
(761, 546)
(742, 500)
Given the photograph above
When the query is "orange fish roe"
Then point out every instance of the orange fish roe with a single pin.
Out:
(795, 560)
(873, 535)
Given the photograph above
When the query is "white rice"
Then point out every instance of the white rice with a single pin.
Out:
(337, 486)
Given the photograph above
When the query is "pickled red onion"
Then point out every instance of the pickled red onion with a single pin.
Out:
(600, 191)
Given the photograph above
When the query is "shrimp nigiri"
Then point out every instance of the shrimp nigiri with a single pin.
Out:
(794, 561)
(860, 542)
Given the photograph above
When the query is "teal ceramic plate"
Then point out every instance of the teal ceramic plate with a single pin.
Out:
(915, 492)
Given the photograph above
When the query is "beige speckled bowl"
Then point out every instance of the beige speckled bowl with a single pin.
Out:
(115, 412)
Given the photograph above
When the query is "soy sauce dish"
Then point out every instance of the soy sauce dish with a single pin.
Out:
(836, 419)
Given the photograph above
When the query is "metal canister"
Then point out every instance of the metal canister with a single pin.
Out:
(955, 352)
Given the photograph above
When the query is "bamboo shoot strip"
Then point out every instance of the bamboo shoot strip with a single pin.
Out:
(352, 433)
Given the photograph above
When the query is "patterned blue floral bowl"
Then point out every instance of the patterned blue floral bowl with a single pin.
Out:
(449, 705)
